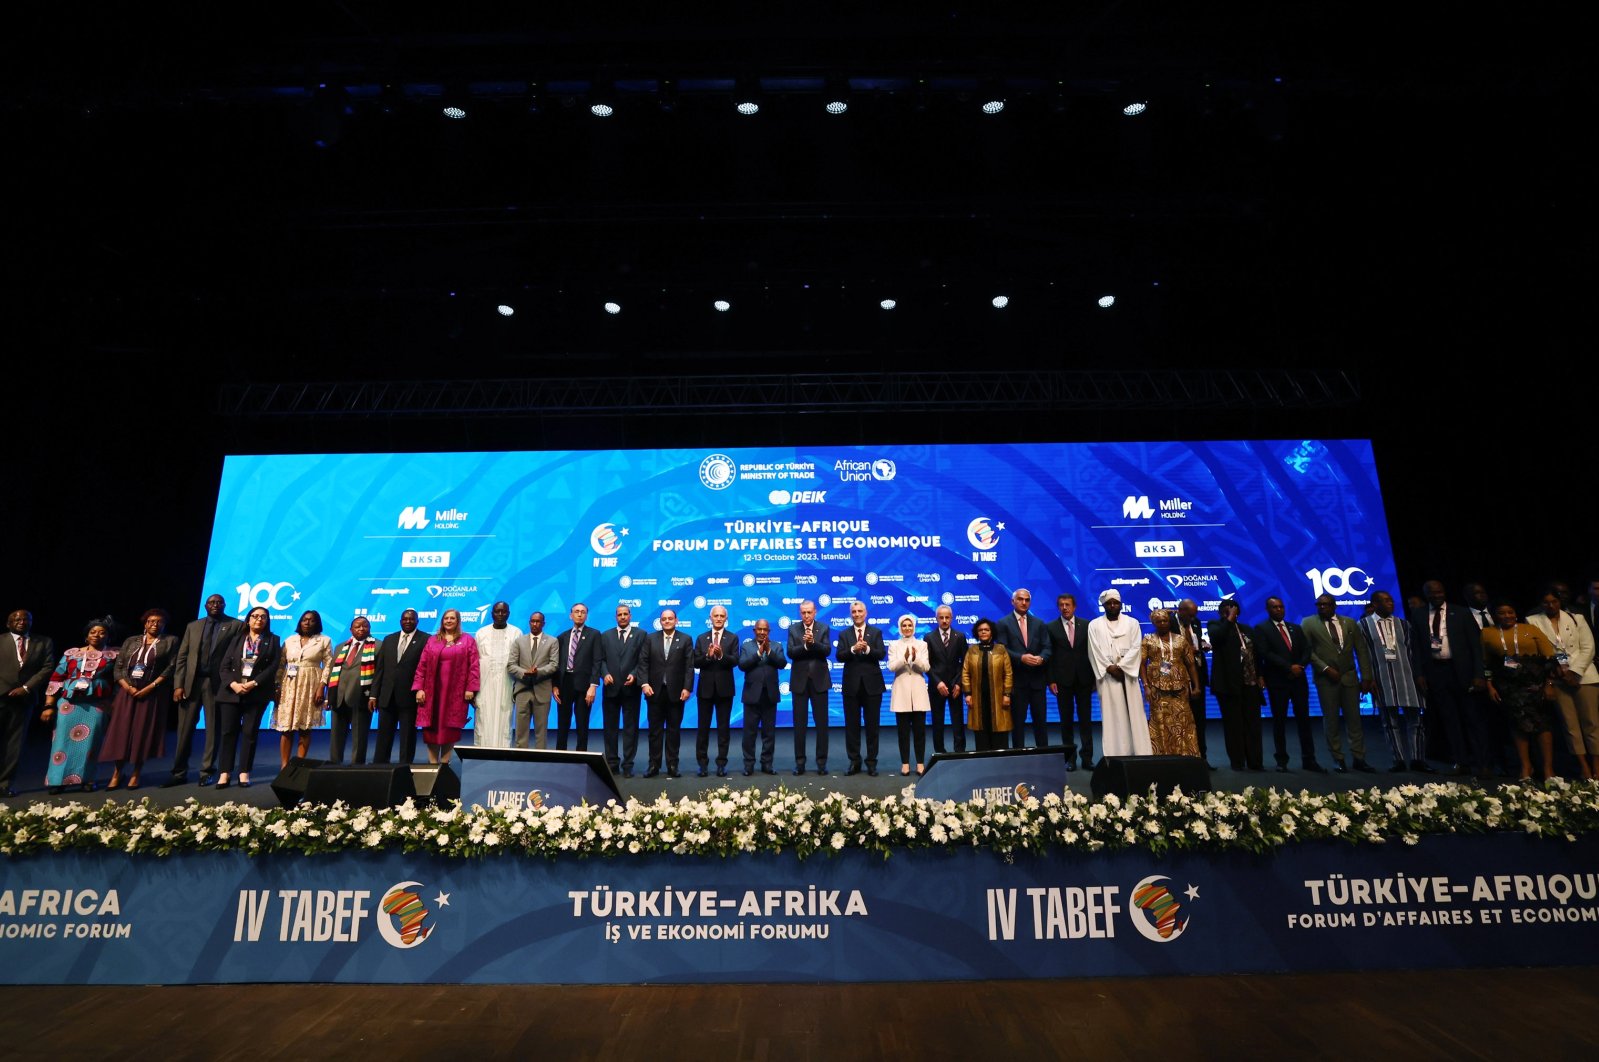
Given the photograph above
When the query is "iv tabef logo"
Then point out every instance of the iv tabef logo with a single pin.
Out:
(605, 539)
(982, 534)
(718, 471)
(1156, 913)
(403, 918)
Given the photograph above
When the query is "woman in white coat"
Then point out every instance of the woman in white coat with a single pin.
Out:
(907, 661)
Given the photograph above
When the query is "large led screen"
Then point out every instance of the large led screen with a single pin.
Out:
(900, 528)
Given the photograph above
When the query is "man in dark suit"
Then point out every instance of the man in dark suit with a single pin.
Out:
(861, 649)
(761, 659)
(616, 665)
(946, 655)
(195, 688)
(1495, 724)
(1451, 667)
(1071, 678)
(396, 664)
(809, 646)
(1284, 658)
(1338, 660)
(1235, 679)
(26, 663)
(1026, 638)
(576, 679)
(351, 695)
(715, 655)
(665, 675)
(1189, 629)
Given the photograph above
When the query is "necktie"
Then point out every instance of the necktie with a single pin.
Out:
(946, 639)
(1071, 633)
(1021, 621)
(1482, 617)
(624, 635)
(405, 643)
(571, 655)
(355, 652)
(1437, 617)
(1282, 629)
(22, 648)
(666, 642)
(1337, 633)
(536, 638)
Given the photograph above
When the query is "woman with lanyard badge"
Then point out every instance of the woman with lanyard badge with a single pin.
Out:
(302, 686)
(247, 682)
(78, 695)
(144, 668)
(1170, 678)
(1521, 668)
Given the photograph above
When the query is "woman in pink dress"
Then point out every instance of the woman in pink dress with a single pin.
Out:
(447, 681)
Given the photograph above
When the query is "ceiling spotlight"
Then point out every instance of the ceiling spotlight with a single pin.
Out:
(454, 112)
(505, 311)
(837, 107)
(749, 107)
(1001, 301)
(601, 110)
(993, 106)
(613, 307)
(1135, 108)
(1107, 301)
(722, 305)
(888, 304)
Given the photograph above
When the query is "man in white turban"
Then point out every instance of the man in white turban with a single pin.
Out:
(1115, 648)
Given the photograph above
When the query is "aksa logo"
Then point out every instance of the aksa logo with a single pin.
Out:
(982, 534)
(1137, 508)
(451, 590)
(1339, 582)
(606, 539)
(414, 518)
(1156, 913)
(884, 470)
(274, 597)
(718, 472)
(403, 916)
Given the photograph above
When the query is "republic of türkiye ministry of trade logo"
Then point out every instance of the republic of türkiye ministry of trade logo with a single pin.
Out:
(718, 471)
(1156, 913)
(404, 919)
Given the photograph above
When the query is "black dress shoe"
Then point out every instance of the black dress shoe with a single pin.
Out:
(627, 772)
(767, 770)
(206, 779)
(1282, 768)
(672, 772)
(1365, 768)
(1458, 770)
(175, 780)
(853, 768)
(1399, 768)
(701, 772)
(721, 772)
(821, 768)
(1071, 765)
(652, 772)
(1313, 767)
(872, 772)
(10, 791)
(798, 771)
(223, 785)
(55, 790)
(1423, 766)
(748, 771)
(1339, 768)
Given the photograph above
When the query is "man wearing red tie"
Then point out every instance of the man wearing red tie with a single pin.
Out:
(1285, 660)
(715, 655)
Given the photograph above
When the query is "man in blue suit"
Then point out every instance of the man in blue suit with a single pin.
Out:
(760, 659)
(1026, 638)
(860, 647)
(615, 664)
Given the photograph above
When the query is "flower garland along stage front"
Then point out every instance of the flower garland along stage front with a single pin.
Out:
(728, 822)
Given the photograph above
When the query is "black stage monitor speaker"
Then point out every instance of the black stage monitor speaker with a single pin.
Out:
(1127, 775)
(369, 786)
(289, 785)
(437, 783)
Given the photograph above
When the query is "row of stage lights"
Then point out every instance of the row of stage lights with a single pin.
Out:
(999, 302)
(749, 108)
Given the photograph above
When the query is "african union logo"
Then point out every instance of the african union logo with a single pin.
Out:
(982, 534)
(605, 539)
(403, 917)
(718, 471)
(884, 469)
(1156, 913)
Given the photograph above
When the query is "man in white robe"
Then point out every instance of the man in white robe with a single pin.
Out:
(494, 704)
(1115, 648)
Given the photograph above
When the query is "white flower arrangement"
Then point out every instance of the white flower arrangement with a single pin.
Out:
(727, 822)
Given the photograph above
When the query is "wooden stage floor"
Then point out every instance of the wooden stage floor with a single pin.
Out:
(1456, 1014)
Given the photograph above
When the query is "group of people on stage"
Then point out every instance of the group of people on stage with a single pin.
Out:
(1492, 680)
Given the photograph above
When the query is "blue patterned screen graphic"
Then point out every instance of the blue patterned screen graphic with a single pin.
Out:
(757, 530)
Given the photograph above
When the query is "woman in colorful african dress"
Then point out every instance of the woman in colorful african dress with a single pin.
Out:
(77, 698)
(302, 685)
(1170, 677)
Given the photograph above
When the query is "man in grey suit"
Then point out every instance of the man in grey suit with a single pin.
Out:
(809, 645)
(532, 666)
(26, 662)
(1336, 647)
(615, 663)
(195, 688)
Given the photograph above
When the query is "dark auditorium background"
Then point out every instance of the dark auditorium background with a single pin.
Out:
(228, 226)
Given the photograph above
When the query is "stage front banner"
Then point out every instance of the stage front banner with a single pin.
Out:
(104, 918)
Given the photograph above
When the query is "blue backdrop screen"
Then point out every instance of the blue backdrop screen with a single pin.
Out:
(900, 528)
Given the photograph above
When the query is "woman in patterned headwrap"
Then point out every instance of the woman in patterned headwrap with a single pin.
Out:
(1170, 678)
